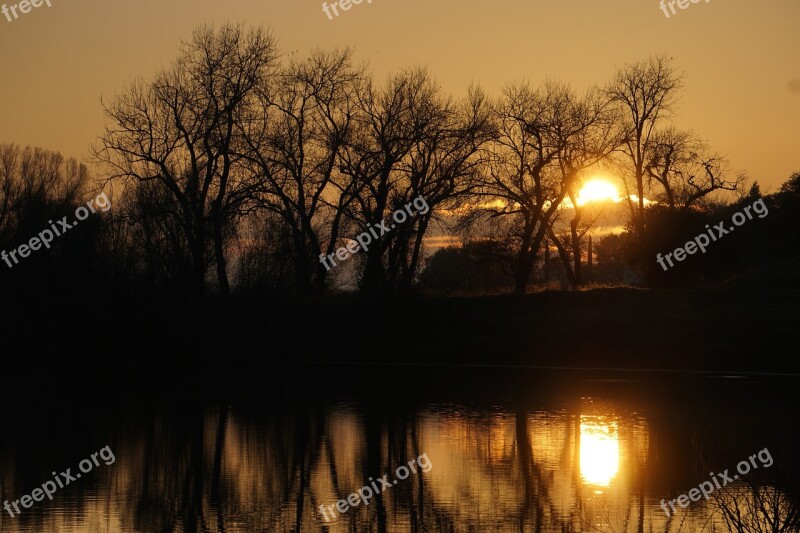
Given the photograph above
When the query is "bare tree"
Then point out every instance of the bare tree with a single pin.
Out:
(442, 168)
(9, 187)
(293, 141)
(646, 93)
(35, 185)
(519, 182)
(685, 170)
(593, 144)
(547, 138)
(392, 121)
(750, 507)
(154, 217)
(583, 219)
(179, 131)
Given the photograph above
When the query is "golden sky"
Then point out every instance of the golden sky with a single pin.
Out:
(741, 57)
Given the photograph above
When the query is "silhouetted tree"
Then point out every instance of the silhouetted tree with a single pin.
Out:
(646, 93)
(293, 140)
(392, 121)
(792, 186)
(37, 187)
(685, 170)
(180, 131)
(547, 138)
(442, 168)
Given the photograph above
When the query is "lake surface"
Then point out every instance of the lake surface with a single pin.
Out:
(495, 450)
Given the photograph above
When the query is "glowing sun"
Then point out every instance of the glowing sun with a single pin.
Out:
(598, 190)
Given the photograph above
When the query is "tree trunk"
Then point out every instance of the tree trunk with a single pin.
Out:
(546, 262)
(408, 276)
(198, 281)
(219, 256)
(562, 252)
(372, 281)
(522, 272)
(302, 267)
(589, 261)
(576, 253)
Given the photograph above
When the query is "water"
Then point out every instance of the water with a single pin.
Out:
(506, 450)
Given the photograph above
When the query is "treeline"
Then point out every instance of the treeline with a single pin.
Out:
(236, 168)
(485, 265)
(37, 188)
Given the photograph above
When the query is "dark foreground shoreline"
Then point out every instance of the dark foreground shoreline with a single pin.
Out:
(740, 328)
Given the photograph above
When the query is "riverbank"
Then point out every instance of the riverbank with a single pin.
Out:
(742, 327)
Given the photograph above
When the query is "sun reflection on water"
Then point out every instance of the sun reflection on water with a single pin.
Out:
(599, 455)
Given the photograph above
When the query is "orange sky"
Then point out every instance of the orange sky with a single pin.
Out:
(741, 57)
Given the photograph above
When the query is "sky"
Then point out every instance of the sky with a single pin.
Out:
(741, 58)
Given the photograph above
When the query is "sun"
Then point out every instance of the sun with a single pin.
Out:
(598, 190)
